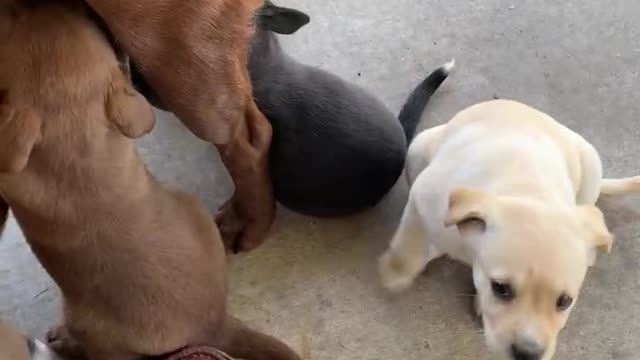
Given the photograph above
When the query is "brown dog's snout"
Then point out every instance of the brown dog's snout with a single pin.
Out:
(527, 350)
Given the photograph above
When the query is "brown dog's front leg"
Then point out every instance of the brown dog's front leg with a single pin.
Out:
(207, 85)
(246, 218)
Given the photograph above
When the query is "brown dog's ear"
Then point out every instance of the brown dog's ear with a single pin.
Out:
(128, 110)
(469, 210)
(19, 132)
(599, 239)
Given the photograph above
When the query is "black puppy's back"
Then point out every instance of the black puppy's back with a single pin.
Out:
(336, 149)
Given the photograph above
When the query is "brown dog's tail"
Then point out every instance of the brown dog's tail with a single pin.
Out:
(620, 186)
(241, 342)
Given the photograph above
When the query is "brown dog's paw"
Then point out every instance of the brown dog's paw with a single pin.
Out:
(241, 232)
(230, 226)
(62, 342)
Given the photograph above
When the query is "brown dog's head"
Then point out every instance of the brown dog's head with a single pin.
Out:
(530, 262)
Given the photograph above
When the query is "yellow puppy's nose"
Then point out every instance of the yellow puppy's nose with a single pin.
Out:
(527, 350)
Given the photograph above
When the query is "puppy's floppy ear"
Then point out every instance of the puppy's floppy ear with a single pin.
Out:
(599, 239)
(470, 210)
(127, 109)
(279, 19)
(20, 130)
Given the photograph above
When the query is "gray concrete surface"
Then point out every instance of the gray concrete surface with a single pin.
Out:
(314, 282)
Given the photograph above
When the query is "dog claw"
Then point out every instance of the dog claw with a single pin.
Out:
(230, 226)
(240, 233)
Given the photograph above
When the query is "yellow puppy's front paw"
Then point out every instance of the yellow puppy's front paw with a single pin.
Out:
(393, 272)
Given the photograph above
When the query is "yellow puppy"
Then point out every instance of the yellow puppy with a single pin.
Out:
(506, 189)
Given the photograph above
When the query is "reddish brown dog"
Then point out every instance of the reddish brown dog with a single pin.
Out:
(195, 54)
(141, 267)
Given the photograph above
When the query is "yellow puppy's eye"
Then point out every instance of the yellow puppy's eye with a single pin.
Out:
(563, 302)
(502, 290)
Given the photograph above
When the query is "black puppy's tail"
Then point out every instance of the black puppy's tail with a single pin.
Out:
(414, 106)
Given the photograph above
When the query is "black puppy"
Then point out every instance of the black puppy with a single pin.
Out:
(336, 149)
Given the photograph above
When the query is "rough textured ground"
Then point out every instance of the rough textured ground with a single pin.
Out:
(314, 282)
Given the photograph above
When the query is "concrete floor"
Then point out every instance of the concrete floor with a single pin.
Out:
(314, 283)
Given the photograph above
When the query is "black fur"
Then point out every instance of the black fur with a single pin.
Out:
(144, 88)
(31, 345)
(412, 110)
(336, 149)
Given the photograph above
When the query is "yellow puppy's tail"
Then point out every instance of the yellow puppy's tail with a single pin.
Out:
(620, 186)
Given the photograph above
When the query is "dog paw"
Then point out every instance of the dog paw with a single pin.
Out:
(231, 226)
(240, 231)
(393, 274)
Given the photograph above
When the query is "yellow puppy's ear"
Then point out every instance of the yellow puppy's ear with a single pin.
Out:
(19, 132)
(127, 109)
(470, 210)
(599, 239)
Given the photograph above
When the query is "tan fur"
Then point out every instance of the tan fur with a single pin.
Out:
(128, 110)
(195, 54)
(19, 131)
(621, 186)
(508, 190)
(465, 204)
(141, 268)
(13, 346)
(540, 252)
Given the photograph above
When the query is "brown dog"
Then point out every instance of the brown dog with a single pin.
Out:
(141, 268)
(195, 55)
